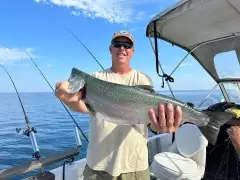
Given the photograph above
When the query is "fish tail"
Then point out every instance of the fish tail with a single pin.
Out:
(217, 119)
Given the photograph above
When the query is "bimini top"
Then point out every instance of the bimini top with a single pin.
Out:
(205, 27)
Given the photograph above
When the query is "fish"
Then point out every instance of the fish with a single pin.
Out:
(129, 105)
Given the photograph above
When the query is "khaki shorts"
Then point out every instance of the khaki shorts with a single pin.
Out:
(90, 174)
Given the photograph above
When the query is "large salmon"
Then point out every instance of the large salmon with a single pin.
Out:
(129, 105)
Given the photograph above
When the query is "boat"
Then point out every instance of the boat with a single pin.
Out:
(204, 28)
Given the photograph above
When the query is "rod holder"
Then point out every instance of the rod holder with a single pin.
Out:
(34, 142)
(77, 137)
(31, 132)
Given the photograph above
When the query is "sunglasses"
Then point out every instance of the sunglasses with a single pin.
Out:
(118, 44)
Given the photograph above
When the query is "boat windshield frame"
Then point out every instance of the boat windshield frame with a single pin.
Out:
(220, 83)
(225, 41)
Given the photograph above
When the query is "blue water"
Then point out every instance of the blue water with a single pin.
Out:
(54, 126)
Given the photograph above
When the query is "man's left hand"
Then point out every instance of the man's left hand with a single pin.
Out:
(168, 120)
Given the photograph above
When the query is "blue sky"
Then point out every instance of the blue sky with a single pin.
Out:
(38, 26)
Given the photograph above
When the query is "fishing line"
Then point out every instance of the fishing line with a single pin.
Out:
(84, 47)
(30, 131)
(54, 91)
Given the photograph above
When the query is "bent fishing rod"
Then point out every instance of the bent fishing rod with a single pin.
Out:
(30, 130)
(30, 57)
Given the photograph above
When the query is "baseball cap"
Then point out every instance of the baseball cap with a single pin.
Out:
(123, 33)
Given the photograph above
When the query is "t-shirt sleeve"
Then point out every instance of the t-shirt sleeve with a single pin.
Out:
(146, 80)
(94, 74)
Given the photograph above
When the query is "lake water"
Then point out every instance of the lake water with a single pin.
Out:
(55, 128)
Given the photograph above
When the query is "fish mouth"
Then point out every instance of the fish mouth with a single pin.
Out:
(75, 85)
(75, 82)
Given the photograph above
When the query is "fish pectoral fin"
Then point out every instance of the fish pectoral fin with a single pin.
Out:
(90, 109)
(217, 119)
(146, 87)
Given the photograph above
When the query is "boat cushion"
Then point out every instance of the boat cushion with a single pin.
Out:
(168, 165)
(190, 140)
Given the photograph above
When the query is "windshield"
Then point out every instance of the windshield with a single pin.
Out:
(231, 69)
(216, 95)
(233, 91)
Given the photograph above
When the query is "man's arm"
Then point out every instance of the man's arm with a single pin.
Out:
(76, 105)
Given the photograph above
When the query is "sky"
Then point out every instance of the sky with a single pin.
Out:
(38, 27)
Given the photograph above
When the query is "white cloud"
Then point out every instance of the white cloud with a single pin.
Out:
(115, 11)
(14, 54)
(186, 64)
(75, 13)
(136, 29)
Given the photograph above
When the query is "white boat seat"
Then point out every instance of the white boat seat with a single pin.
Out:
(186, 158)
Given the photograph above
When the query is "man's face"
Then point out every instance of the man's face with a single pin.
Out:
(121, 50)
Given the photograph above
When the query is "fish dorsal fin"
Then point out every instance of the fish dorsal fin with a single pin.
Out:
(146, 87)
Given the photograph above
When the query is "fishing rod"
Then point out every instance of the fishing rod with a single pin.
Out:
(54, 91)
(85, 47)
(30, 130)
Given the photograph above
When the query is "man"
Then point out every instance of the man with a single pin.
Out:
(120, 151)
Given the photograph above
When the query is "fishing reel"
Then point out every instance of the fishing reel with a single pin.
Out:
(30, 132)
(27, 131)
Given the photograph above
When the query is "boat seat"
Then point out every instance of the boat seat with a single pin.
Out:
(186, 157)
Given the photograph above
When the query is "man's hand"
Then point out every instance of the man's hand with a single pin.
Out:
(61, 92)
(168, 121)
(234, 135)
(72, 100)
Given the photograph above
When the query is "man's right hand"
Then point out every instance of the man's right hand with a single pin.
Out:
(61, 92)
(72, 100)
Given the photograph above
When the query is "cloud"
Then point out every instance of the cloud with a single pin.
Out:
(14, 54)
(136, 29)
(186, 64)
(114, 11)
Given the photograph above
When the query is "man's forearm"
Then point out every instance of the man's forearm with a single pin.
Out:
(77, 106)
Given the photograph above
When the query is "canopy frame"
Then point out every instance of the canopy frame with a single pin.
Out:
(225, 39)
